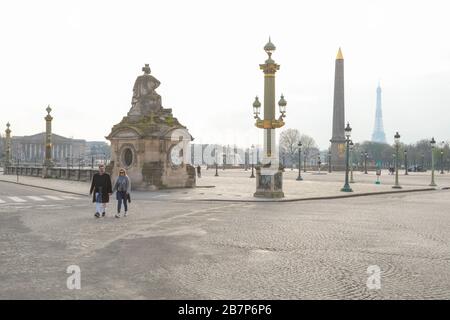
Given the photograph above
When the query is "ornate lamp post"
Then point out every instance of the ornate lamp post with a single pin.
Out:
(7, 147)
(362, 161)
(433, 143)
(348, 131)
(217, 160)
(442, 157)
(253, 162)
(423, 161)
(366, 155)
(406, 162)
(299, 177)
(247, 160)
(397, 146)
(269, 177)
(329, 161)
(351, 162)
(319, 163)
(48, 138)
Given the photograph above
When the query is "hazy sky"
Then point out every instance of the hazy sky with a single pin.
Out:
(82, 58)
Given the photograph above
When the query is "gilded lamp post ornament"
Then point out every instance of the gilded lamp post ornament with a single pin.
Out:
(269, 176)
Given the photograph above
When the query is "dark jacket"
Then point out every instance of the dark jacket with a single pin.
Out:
(101, 183)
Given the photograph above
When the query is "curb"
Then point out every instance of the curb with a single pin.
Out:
(46, 188)
(263, 201)
(322, 198)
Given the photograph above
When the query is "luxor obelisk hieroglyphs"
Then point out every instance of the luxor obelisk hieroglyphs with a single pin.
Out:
(338, 134)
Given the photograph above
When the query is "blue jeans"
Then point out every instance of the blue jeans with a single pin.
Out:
(121, 197)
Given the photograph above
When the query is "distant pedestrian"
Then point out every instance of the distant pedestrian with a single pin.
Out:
(123, 189)
(101, 189)
(391, 170)
(199, 171)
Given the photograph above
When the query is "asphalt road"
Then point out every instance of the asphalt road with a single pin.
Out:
(195, 250)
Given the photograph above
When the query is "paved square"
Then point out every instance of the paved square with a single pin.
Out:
(174, 247)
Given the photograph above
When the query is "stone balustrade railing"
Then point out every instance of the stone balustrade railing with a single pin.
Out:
(77, 174)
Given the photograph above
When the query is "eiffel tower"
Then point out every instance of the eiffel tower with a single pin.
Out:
(378, 131)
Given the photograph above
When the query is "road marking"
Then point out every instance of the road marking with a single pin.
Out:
(71, 197)
(54, 198)
(17, 199)
(1, 201)
(35, 198)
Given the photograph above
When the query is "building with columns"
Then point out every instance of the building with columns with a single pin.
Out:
(31, 149)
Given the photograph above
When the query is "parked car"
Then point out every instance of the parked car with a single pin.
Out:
(416, 169)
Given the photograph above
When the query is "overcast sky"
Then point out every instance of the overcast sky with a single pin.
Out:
(82, 58)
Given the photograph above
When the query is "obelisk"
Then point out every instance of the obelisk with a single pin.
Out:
(338, 134)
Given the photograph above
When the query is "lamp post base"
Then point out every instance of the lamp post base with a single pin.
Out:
(269, 185)
(433, 184)
(396, 187)
(299, 178)
(347, 188)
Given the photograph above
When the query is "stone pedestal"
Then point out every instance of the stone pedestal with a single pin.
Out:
(337, 155)
(269, 184)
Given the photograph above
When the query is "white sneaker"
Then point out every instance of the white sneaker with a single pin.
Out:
(125, 214)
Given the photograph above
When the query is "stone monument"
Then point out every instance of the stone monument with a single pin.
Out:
(150, 143)
(338, 134)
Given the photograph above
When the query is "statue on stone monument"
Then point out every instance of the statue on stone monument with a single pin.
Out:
(145, 100)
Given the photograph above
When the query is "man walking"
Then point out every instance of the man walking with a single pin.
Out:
(101, 188)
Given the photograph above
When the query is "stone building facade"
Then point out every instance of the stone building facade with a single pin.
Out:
(31, 149)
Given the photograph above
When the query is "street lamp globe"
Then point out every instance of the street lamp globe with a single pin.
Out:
(256, 107)
(397, 137)
(351, 145)
(433, 142)
(269, 48)
(282, 104)
(348, 130)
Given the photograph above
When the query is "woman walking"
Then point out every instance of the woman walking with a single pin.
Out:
(122, 188)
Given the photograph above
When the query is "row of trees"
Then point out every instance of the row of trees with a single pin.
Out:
(288, 151)
(418, 154)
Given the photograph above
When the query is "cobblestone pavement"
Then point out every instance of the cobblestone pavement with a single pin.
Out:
(194, 250)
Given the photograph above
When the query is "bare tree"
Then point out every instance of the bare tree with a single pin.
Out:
(289, 139)
(309, 148)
